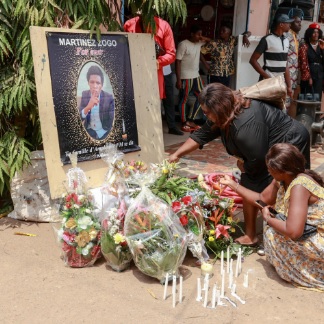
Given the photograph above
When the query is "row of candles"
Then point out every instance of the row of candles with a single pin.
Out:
(207, 272)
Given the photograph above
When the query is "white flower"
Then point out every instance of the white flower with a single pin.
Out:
(64, 220)
(81, 198)
(87, 248)
(84, 222)
(88, 211)
(76, 206)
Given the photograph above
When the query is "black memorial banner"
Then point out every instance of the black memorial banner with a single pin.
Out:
(93, 93)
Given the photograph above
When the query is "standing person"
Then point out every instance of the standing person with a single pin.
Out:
(168, 101)
(221, 52)
(165, 55)
(292, 61)
(311, 57)
(248, 128)
(97, 107)
(274, 48)
(298, 195)
(188, 78)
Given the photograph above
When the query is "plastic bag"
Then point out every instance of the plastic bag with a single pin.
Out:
(79, 234)
(157, 239)
(115, 200)
(191, 217)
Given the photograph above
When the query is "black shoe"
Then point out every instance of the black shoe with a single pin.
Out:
(175, 131)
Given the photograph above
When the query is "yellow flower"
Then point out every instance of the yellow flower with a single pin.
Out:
(211, 232)
(83, 238)
(119, 238)
(165, 171)
(232, 229)
(93, 233)
(211, 239)
(230, 219)
(71, 223)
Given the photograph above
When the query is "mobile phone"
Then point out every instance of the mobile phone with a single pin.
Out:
(262, 204)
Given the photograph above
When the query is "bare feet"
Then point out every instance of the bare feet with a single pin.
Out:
(247, 240)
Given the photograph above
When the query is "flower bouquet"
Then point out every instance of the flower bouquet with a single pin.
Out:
(113, 242)
(79, 234)
(155, 236)
(220, 226)
(190, 215)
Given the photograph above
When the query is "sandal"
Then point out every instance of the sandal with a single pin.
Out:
(187, 128)
(253, 244)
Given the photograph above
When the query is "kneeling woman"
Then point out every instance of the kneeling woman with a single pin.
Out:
(299, 195)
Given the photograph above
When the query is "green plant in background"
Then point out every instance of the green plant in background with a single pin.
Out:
(19, 120)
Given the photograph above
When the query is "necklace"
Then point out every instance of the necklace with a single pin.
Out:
(314, 45)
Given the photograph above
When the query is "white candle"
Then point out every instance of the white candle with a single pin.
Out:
(166, 286)
(205, 281)
(180, 290)
(223, 285)
(231, 265)
(206, 292)
(233, 290)
(222, 262)
(174, 285)
(198, 290)
(240, 258)
(214, 296)
(124, 128)
(227, 260)
(246, 280)
(218, 297)
(230, 279)
(237, 268)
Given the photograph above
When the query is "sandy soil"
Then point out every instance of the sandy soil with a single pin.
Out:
(36, 287)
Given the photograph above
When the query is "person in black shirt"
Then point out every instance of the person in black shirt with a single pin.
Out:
(248, 128)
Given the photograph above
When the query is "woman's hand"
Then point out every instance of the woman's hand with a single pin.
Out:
(228, 181)
(266, 214)
(310, 82)
(173, 158)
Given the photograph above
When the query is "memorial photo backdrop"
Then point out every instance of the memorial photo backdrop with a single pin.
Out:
(70, 56)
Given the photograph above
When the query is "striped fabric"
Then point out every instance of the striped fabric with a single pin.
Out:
(189, 87)
(275, 52)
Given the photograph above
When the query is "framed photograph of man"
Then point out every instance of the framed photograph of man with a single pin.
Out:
(93, 93)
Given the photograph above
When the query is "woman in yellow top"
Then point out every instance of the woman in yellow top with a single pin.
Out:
(299, 195)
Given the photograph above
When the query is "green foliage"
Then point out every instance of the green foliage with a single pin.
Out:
(19, 119)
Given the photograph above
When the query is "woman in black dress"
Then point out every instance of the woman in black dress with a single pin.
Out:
(248, 128)
(310, 57)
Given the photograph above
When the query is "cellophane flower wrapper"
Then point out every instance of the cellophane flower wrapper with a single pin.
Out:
(157, 240)
(191, 217)
(114, 204)
(79, 234)
(138, 175)
(113, 242)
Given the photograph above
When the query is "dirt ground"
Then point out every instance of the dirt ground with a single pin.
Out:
(36, 287)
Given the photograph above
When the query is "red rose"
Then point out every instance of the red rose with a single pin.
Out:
(186, 200)
(183, 220)
(176, 206)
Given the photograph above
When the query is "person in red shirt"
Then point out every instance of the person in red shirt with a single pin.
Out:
(165, 55)
(163, 38)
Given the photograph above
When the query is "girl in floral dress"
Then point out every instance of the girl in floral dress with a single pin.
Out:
(299, 195)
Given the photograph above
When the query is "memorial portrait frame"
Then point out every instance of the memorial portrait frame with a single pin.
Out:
(147, 118)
